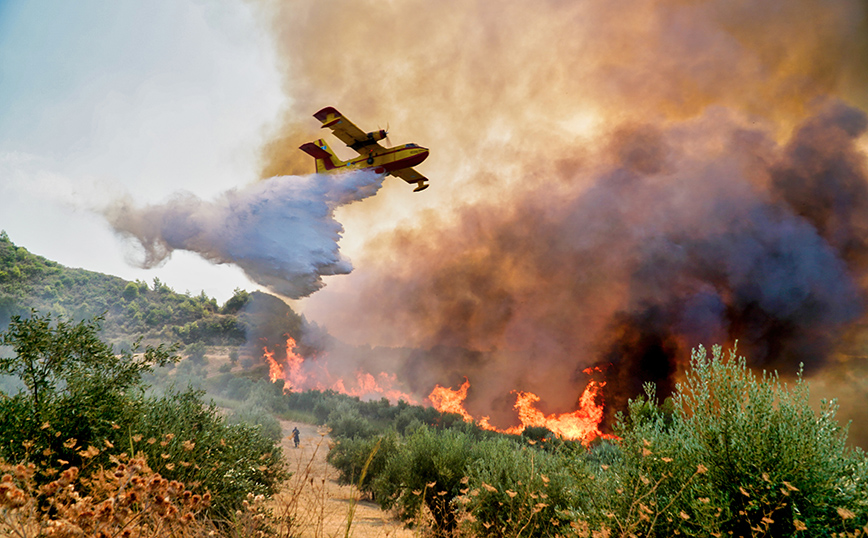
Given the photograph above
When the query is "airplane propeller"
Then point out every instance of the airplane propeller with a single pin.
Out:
(386, 138)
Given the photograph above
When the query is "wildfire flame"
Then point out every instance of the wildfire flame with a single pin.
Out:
(300, 374)
(447, 400)
(275, 370)
(579, 425)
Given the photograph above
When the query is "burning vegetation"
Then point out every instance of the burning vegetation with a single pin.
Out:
(299, 375)
(579, 425)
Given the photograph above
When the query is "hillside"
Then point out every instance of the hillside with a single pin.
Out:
(154, 312)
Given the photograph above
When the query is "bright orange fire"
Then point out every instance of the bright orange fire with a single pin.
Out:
(580, 425)
(447, 400)
(275, 370)
(300, 375)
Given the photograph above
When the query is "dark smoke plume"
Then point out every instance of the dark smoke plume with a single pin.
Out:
(612, 183)
(678, 242)
(281, 231)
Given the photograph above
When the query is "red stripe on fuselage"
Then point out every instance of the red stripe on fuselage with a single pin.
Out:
(406, 163)
(398, 164)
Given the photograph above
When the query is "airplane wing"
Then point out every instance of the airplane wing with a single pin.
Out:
(345, 130)
(411, 176)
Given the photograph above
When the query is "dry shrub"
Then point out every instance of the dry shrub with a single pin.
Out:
(127, 500)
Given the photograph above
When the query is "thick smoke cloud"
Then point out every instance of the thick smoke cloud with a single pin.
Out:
(682, 244)
(281, 231)
(612, 183)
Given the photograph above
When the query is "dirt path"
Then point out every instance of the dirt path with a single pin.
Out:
(320, 505)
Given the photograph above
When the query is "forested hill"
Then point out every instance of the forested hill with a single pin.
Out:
(133, 309)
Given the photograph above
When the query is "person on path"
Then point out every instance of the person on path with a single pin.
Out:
(295, 434)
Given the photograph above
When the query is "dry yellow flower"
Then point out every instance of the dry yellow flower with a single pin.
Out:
(844, 513)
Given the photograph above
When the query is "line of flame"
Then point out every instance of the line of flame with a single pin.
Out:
(579, 425)
(299, 376)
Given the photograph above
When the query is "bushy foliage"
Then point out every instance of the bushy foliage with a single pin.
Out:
(345, 421)
(186, 440)
(515, 490)
(82, 402)
(353, 455)
(741, 454)
(75, 387)
(196, 353)
(773, 463)
(430, 469)
(256, 415)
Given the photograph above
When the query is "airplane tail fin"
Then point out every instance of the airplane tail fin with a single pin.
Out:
(325, 158)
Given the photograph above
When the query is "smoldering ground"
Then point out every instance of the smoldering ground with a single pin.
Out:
(612, 183)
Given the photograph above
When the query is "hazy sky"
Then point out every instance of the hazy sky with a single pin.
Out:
(103, 99)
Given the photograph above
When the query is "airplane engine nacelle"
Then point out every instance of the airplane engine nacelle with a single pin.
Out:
(377, 135)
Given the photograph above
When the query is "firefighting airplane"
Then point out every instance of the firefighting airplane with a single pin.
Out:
(397, 161)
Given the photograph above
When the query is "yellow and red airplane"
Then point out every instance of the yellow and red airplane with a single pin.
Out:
(397, 161)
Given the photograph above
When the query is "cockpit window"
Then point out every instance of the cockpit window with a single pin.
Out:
(412, 145)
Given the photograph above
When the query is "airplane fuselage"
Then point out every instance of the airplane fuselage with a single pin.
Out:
(397, 161)
(396, 158)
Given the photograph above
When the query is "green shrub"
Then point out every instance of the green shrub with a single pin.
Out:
(741, 455)
(430, 468)
(75, 388)
(773, 463)
(131, 291)
(81, 402)
(189, 441)
(517, 490)
(256, 415)
(350, 455)
(346, 422)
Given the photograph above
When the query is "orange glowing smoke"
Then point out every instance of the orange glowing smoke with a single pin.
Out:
(579, 425)
(300, 374)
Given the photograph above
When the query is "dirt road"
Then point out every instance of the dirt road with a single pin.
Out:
(320, 505)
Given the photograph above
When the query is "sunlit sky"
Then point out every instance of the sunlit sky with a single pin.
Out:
(104, 99)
